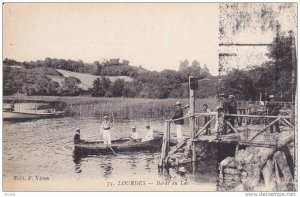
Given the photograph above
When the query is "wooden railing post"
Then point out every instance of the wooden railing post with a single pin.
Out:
(166, 144)
(192, 119)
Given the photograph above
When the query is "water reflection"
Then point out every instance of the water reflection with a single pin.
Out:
(49, 143)
(132, 160)
(77, 161)
(107, 168)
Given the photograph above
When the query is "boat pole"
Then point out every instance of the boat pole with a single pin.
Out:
(193, 83)
(111, 149)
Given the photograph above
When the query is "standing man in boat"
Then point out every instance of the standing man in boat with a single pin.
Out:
(149, 135)
(178, 115)
(105, 129)
(77, 136)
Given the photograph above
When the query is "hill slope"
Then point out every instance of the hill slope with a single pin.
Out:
(86, 79)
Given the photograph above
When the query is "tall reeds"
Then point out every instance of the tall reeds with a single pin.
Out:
(122, 108)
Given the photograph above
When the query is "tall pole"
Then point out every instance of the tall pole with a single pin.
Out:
(192, 113)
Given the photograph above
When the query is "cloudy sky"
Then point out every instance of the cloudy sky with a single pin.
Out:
(156, 36)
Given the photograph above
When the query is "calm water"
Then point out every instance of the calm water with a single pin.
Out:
(45, 147)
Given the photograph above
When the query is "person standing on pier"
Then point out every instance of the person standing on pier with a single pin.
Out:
(206, 119)
(187, 109)
(273, 110)
(105, 129)
(178, 115)
(230, 107)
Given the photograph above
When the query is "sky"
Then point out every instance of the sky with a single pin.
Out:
(156, 36)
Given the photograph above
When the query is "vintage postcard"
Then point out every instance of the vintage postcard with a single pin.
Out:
(149, 97)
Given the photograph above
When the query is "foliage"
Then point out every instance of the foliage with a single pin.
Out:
(69, 87)
(146, 84)
(101, 87)
(273, 77)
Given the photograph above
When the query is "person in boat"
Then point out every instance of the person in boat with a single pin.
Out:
(105, 129)
(12, 106)
(206, 119)
(77, 139)
(134, 134)
(178, 115)
(149, 135)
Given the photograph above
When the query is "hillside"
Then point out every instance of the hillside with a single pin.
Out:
(85, 79)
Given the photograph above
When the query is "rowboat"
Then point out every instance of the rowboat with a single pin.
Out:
(15, 116)
(118, 145)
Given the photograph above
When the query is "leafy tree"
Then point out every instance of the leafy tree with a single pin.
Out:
(118, 88)
(101, 87)
(69, 87)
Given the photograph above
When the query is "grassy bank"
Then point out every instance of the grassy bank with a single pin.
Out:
(123, 108)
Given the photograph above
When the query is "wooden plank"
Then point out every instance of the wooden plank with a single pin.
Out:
(269, 125)
(228, 123)
(256, 116)
(287, 122)
(204, 126)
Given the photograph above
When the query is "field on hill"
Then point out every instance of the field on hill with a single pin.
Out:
(86, 79)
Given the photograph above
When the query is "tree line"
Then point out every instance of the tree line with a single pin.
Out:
(276, 76)
(33, 79)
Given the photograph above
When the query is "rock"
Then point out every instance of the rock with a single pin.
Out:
(231, 171)
(226, 161)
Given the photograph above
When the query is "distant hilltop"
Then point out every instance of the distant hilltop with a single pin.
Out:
(109, 78)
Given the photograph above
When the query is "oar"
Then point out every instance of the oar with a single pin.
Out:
(111, 149)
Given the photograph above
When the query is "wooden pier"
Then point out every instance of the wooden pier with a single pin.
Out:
(249, 132)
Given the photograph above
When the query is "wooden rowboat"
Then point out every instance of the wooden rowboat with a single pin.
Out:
(119, 145)
(15, 116)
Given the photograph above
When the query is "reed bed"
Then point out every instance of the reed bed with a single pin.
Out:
(121, 108)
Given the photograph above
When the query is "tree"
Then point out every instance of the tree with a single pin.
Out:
(69, 87)
(239, 83)
(118, 88)
(281, 54)
(101, 87)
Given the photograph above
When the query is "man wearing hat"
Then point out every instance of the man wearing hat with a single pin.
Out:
(206, 119)
(105, 129)
(273, 110)
(178, 115)
(77, 136)
(230, 107)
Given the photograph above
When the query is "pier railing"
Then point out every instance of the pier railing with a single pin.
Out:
(165, 151)
(245, 126)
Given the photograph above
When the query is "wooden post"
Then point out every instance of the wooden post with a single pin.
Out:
(166, 144)
(192, 119)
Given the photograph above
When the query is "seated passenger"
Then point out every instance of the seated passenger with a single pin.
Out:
(149, 135)
(134, 134)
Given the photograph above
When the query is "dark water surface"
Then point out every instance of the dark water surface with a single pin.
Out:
(45, 148)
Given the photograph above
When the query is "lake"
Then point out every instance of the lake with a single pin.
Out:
(44, 148)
